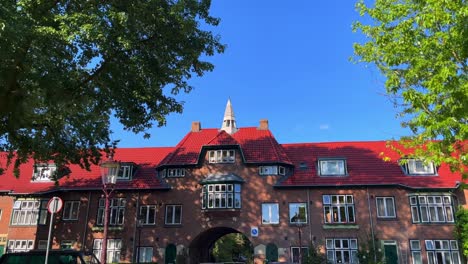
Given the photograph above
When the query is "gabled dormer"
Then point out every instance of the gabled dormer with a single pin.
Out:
(126, 171)
(44, 172)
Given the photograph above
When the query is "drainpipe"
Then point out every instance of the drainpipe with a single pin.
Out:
(85, 229)
(371, 224)
(135, 255)
(308, 216)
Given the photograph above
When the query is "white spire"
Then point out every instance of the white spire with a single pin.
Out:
(229, 121)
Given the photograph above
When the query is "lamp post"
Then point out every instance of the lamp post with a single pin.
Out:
(109, 171)
(299, 230)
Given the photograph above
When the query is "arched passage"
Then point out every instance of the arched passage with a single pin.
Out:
(199, 249)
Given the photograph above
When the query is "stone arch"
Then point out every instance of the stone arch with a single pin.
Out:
(199, 248)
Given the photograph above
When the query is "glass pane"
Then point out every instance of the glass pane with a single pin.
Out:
(417, 259)
(178, 215)
(415, 245)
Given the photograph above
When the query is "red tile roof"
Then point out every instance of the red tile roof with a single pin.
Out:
(80, 179)
(365, 165)
(258, 146)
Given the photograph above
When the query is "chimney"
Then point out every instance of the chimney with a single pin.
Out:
(196, 126)
(263, 124)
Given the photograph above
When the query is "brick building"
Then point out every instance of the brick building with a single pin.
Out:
(175, 202)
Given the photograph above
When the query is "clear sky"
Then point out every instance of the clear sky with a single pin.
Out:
(288, 62)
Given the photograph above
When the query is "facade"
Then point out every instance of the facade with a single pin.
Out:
(171, 204)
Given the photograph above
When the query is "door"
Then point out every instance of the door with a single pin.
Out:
(171, 254)
(390, 252)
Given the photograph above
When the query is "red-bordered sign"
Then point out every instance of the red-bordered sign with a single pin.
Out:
(55, 205)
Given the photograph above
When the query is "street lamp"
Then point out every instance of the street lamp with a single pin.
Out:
(299, 229)
(109, 171)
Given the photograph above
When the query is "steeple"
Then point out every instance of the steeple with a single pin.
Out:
(229, 121)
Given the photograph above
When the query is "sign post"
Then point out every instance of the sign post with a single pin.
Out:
(54, 206)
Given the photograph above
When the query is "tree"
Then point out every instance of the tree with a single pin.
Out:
(67, 66)
(421, 47)
(461, 230)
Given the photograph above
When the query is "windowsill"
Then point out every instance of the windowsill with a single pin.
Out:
(387, 218)
(172, 225)
(110, 228)
(434, 223)
(208, 210)
(272, 224)
(340, 226)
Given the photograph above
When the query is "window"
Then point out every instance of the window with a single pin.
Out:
(173, 215)
(117, 211)
(42, 244)
(297, 213)
(145, 254)
(418, 167)
(222, 156)
(20, 245)
(431, 208)
(342, 250)
(66, 244)
(442, 252)
(125, 172)
(71, 210)
(272, 170)
(338, 209)
(219, 196)
(29, 212)
(332, 167)
(416, 256)
(43, 172)
(148, 214)
(178, 172)
(113, 249)
(385, 207)
(270, 213)
(295, 254)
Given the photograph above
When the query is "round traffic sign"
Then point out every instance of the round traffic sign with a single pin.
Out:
(55, 205)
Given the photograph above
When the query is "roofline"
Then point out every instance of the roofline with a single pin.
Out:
(164, 188)
(363, 185)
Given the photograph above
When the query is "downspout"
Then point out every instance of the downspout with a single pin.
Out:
(86, 222)
(371, 225)
(308, 212)
(135, 255)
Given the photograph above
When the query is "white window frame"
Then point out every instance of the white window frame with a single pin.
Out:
(172, 218)
(43, 172)
(116, 209)
(388, 211)
(416, 255)
(338, 209)
(269, 215)
(447, 248)
(293, 207)
(295, 250)
(324, 166)
(343, 246)
(222, 156)
(114, 247)
(175, 172)
(221, 196)
(125, 172)
(146, 255)
(69, 208)
(29, 212)
(416, 167)
(145, 217)
(20, 245)
(432, 208)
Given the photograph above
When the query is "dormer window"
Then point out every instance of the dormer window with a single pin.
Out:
(44, 172)
(177, 172)
(272, 170)
(332, 167)
(418, 167)
(125, 171)
(222, 156)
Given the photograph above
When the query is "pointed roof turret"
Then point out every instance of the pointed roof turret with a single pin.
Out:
(229, 121)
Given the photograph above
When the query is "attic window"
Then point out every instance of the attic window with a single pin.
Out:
(125, 172)
(222, 156)
(43, 172)
(418, 167)
(332, 167)
(272, 170)
(177, 172)
(303, 166)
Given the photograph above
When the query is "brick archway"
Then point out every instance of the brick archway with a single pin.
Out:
(199, 249)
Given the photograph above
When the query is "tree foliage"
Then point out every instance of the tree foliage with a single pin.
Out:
(421, 47)
(67, 66)
(232, 248)
(461, 230)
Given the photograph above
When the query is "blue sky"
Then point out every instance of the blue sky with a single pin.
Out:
(288, 63)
